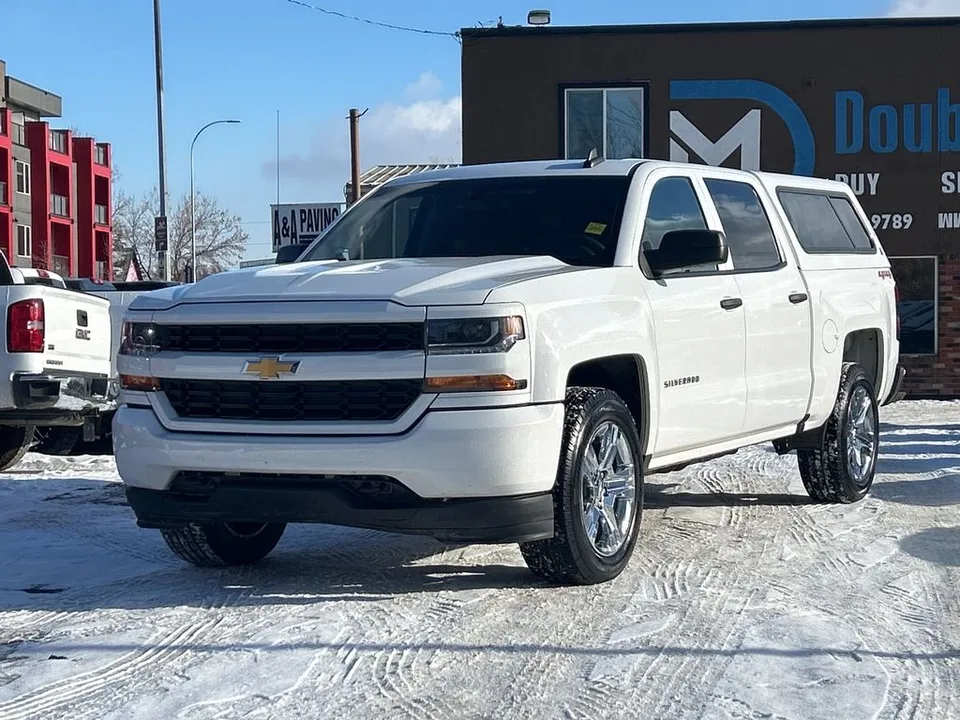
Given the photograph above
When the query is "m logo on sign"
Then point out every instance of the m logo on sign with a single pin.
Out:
(745, 135)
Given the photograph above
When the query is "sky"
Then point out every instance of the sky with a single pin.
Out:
(249, 59)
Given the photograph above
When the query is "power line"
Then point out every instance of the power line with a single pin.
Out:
(377, 23)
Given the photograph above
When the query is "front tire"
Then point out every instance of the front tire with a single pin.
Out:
(598, 495)
(15, 441)
(842, 469)
(224, 544)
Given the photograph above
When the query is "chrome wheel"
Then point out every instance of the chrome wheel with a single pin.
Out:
(608, 479)
(861, 435)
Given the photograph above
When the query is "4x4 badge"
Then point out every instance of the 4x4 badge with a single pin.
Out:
(270, 367)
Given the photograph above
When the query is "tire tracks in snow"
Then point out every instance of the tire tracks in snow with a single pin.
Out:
(130, 671)
(383, 665)
(710, 615)
(163, 648)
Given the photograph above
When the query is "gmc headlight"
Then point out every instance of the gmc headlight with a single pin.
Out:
(138, 339)
(469, 336)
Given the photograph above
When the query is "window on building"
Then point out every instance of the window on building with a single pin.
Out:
(917, 285)
(23, 177)
(746, 225)
(610, 120)
(825, 223)
(673, 206)
(19, 133)
(24, 241)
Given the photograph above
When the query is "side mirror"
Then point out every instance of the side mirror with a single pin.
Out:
(290, 253)
(687, 248)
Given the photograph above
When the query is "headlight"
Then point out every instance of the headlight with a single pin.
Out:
(468, 336)
(138, 339)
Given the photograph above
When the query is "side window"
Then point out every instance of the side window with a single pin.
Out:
(746, 225)
(851, 223)
(673, 206)
(824, 223)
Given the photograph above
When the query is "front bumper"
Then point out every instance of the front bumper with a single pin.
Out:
(511, 519)
(482, 475)
(897, 392)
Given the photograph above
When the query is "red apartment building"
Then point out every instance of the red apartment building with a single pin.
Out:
(55, 207)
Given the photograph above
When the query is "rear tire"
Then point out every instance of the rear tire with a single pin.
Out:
(598, 495)
(224, 544)
(57, 440)
(842, 469)
(14, 443)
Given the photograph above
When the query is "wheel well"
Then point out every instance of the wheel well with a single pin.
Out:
(863, 347)
(625, 375)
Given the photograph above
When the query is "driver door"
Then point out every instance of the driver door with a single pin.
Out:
(700, 332)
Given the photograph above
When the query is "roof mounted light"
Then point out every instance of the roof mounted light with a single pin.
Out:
(538, 17)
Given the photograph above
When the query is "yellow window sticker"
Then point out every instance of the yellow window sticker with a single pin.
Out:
(596, 228)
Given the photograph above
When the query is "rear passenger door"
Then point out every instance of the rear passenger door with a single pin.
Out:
(699, 331)
(776, 308)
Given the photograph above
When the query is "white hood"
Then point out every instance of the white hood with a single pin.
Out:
(407, 281)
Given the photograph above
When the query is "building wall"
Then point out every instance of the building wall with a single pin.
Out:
(808, 98)
(22, 204)
(939, 375)
(76, 244)
(6, 183)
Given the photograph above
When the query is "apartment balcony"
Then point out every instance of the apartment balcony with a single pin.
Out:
(100, 215)
(58, 141)
(59, 205)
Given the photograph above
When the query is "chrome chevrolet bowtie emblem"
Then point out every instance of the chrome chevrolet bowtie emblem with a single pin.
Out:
(270, 367)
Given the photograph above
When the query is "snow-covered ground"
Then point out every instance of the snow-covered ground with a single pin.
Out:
(743, 601)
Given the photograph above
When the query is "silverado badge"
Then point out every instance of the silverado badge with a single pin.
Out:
(270, 367)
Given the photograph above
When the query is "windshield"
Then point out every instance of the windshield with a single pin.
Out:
(575, 219)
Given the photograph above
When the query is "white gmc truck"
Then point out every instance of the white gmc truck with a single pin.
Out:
(55, 367)
(500, 353)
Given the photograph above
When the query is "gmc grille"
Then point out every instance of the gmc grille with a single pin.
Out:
(288, 338)
(326, 401)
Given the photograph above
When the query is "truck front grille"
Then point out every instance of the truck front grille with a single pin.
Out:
(327, 401)
(289, 338)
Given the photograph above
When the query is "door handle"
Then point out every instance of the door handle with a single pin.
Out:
(731, 303)
(796, 298)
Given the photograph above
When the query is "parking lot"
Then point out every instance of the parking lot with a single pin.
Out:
(743, 601)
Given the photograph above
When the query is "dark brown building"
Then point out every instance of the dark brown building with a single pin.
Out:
(875, 103)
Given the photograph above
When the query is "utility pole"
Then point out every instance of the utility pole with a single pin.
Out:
(278, 157)
(160, 223)
(355, 116)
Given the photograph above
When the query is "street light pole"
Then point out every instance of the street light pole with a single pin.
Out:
(193, 222)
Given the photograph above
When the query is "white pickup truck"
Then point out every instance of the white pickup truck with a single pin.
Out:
(55, 364)
(501, 353)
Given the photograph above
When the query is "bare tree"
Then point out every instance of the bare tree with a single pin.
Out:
(221, 238)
